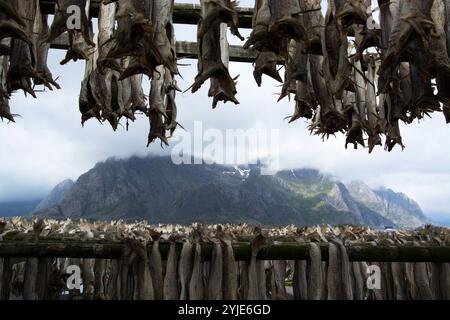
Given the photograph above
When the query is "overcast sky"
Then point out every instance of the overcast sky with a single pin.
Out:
(48, 144)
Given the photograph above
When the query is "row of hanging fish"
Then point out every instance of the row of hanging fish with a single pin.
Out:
(23, 51)
(348, 74)
(363, 87)
(135, 38)
(144, 273)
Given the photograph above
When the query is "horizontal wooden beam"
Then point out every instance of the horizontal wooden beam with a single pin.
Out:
(183, 13)
(184, 49)
(279, 251)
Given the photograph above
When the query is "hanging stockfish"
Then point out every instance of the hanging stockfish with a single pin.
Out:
(388, 280)
(333, 272)
(275, 23)
(329, 117)
(230, 268)
(41, 48)
(141, 33)
(411, 287)
(185, 268)
(336, 66)
(444, 280)
(162, 112)
(163, 37)
(113, 280)
(314, 270)
(156, 267)
(356, 107)
(135, 275)
(88, 276)
(262, 268)
(215, 284)
(30, 279)
(79, 35)
(422, 281)
(87, 104)
(373, 129)
(142, 275)
(305, 98)
(12, 25)
(300, 283)
(108, 90)
(81, 44)
(5, 111)
(171, 275)
(413, 27)
(8, 12)
(205, 276)
(257, 244)
(346, 287)
(137, 95)
(441, 18)
(266, 61)
(434, 270)
(243, 280)
(296, 69)
(44, 270)
(196, 285)
(22, 71)
(278, 279)
(157, 111)
(6, 278)
(357, 281)
(17, 281)
(213, 49)
(126, 276)
(99, 279)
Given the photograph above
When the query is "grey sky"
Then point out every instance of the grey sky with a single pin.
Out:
(47, 144)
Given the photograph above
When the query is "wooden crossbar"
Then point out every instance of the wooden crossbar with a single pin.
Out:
(242, 250)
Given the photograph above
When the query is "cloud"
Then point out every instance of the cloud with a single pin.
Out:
(48, 144)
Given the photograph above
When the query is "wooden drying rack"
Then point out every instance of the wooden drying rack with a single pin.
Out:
(276, 250)
(183, 14)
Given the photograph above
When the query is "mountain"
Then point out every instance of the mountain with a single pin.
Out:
(17, 208)
(55, 196)
(397, 207)
(155, 189)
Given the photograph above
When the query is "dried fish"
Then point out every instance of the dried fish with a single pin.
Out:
(196, 286)
(185, 268)
(63, 15)
(215, 284)
(421, 279)
(315, 278)
(213, 49)
(30, 279)
(230, 268)
(300, 284)
(171, 276)
(99, 281)
(253, 290)
(156, 269)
